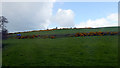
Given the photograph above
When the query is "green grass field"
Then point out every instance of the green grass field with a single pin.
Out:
(69, 31)
(69, 51)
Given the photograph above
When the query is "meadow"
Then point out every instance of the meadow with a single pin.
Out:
(68, 51)
(69, 31)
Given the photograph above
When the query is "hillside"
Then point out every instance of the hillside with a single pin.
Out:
(66, 51)
(69, 31)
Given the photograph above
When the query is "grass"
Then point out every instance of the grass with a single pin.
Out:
(69, 31)
(71, 51)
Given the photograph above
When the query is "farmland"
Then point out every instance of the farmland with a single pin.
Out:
(66, 51)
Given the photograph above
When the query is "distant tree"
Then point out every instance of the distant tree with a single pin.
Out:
(3, 28)
(56, 28)
(47, 29)
(74, 27)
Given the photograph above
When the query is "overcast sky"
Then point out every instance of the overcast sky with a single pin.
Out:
(23, 16)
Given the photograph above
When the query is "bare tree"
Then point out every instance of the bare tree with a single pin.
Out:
(3, 28)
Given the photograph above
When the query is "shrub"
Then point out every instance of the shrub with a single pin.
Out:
(92, 34)
(33, 36)
(115, 32)
(88, 34)
(52, 37)
(85, 34)
(36, 35)
(81, 34)
(98, 33)
(112, 33)
(77, 34)
(22, 37)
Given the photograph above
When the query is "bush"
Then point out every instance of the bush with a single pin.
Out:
(81, 34)
(52, 37)
(77, 34)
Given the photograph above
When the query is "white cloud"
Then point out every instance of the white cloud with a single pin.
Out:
(64, 18)
(113, 17)
(27, 16)
(111, 20)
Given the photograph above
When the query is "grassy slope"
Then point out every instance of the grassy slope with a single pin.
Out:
(77, 51)
(69, 31)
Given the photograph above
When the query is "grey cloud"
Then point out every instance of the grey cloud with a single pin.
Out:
(27, 16)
